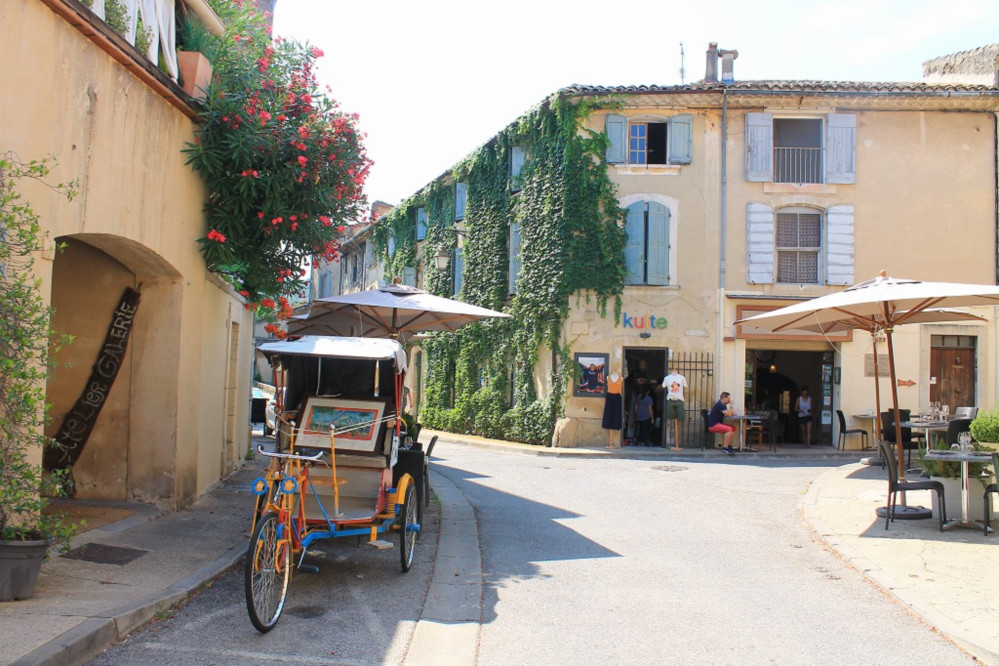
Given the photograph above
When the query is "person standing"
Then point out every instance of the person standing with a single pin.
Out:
(675, 383)
(804, 408)
(644, 416)
(716, 421)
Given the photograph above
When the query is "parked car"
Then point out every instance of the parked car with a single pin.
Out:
(270, 415)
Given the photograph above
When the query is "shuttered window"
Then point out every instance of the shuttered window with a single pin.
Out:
(518, 155)
(646, 252)
(515, 261)
(460, 197)
(459, 271)
(799, 240)
(801, 150)
(409, 276)
(421, 223)
(653, 142)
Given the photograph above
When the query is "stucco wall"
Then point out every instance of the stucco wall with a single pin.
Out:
(139, 210)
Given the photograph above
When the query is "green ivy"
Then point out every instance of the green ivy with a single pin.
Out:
(572, 245)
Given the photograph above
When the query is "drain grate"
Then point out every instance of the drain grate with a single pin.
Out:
(670, 468)
(103, 554)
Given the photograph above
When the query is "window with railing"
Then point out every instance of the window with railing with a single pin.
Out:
(797, 150)
(799, 241)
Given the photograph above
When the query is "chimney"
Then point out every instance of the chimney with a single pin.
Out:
(728, 57)
(711, 68)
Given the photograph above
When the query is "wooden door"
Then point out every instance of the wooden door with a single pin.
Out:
(955, 373)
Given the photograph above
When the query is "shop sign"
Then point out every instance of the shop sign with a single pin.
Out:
(644, 321)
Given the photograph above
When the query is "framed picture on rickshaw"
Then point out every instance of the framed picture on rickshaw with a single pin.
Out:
(358, 424)
(590, 372)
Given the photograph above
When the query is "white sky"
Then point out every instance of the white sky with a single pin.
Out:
(434, 79)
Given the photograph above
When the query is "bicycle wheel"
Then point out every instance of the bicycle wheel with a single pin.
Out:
(408, 528)
(267, 571)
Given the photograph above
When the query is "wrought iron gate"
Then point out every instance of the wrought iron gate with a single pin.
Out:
(698, 368)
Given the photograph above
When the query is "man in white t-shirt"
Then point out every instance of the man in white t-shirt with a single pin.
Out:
(674, 383)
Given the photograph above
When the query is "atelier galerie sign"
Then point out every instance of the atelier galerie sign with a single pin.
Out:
(79, 422)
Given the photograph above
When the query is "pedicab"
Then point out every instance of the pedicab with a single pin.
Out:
(337, 470)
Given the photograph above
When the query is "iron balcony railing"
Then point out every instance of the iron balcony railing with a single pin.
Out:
(798, 165)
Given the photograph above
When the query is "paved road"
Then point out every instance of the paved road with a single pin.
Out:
(639, 562)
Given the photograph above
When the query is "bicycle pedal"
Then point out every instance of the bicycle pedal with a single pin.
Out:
(308, 568)
(380, 544)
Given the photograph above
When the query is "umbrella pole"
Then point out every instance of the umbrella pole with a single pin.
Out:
(877, 386)
(894, 402)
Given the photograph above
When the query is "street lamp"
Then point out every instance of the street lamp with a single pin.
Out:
(442, 259)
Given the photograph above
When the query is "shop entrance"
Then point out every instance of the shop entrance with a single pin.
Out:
(644, 371)
(774, 379)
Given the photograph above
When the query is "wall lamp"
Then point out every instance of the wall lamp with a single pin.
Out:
(443, 257)
(645, 336)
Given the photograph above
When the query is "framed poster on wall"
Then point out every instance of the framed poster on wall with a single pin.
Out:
(357, 423)
(590, 372)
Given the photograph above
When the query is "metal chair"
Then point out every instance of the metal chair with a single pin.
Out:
(896, 486)
(989, 489)
(956, 427)
(966, 413)
(426, 470)
(843, 432)
(888, 432)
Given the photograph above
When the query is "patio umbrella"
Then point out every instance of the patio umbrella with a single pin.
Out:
(392, 311)
(878, 304)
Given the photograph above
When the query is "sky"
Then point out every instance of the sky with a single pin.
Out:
(433, 80)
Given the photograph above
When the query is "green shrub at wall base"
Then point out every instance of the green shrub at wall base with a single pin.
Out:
(985, 426)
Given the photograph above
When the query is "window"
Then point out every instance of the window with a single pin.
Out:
(391, 244)
(421, 223)
(324, 285)
(651, 142)
(409, 276)
(518, 155)
(460, 198)
(352, 270)
(515, 262)
(458, 266)
(801, 150)
(798, 243)
(646, 254)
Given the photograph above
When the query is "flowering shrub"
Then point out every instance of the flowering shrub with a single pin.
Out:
(284, 166)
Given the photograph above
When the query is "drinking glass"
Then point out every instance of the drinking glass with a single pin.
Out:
(964, 439)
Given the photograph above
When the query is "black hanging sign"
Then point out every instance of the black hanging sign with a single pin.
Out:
(79, 422)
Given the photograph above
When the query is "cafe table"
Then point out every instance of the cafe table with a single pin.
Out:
(743, 419)
(965, 458)
(875, 428)
(927, 426)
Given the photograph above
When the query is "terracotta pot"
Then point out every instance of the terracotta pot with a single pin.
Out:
(195, 73)
(20, 563)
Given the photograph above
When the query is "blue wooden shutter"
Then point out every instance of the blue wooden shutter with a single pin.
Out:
(839, 245)
(658, 253)
(517, 156)
(409, 276)
(460, 197)
(841, 148)
(459, 271)
(680, 135)
(515, 262)
(759, 147)
(421, 223)
(634, 250)
(759, 244)
(617, 138)
(391, 244)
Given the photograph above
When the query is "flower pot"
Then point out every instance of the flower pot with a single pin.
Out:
(952, 493)
(20, 562)
(993, 446)
(195, 73)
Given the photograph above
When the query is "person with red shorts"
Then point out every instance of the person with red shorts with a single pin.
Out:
(716, 421)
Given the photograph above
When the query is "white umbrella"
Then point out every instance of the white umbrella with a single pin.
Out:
(387, 312)
(878, 304)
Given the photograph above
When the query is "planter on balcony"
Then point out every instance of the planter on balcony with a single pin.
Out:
(195, 73)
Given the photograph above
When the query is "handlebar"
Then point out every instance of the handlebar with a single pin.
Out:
(292, 456)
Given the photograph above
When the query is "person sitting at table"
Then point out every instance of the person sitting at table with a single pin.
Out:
(716, 421)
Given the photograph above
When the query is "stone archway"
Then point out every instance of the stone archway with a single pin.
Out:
(131, 452)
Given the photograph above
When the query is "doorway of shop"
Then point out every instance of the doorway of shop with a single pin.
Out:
(644, 369)
(953, 363)
(774, 381)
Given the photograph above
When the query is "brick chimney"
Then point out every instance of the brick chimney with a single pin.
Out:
(728, 57)
(711, 67)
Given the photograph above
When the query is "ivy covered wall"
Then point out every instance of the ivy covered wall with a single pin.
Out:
(485, 378)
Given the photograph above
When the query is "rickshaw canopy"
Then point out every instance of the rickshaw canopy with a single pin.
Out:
(370, 349)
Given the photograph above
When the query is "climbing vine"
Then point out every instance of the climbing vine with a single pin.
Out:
(484, 378)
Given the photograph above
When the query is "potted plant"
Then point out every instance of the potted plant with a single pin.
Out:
(985, 428)
(949, 474)
(26, 530)
(195, 47)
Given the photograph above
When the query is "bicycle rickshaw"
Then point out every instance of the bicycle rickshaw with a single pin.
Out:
(338, 470)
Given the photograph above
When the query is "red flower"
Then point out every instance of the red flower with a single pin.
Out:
(317, 52)
(302, 160)
(216, 236)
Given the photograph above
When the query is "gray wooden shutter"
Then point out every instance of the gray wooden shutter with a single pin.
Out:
(839, 245)
(658, 268)
(459, 271)
(409, 276)
(517, 156)
(617, 138)
(460, 197)
(841, 148)
(634, 250)
(759, 244)
(421, 223)
(680, 134)
(514, 258)
(391, 244)
(759, 147)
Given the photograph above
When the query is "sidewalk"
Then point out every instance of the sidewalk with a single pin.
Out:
(81, 607)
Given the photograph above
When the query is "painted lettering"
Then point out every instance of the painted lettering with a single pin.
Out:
(639, 321)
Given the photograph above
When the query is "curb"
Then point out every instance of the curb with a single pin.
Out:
(903, 595)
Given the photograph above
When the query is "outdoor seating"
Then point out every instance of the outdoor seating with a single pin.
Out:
(754, 429)
(966, 413)
(888, 431)
(896, 486)
(770, 428)
(843, 432)
(426, 470)
(956, 427)
(989, 489)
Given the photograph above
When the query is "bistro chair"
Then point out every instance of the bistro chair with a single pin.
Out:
(426, 470)
(966, 413)
(888, 432)
(754, 429)
(896, 486)
(843, 432)
(770, 428)
(955, 428)
(989, 489)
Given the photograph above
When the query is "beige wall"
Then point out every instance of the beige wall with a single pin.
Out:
(161, 437)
